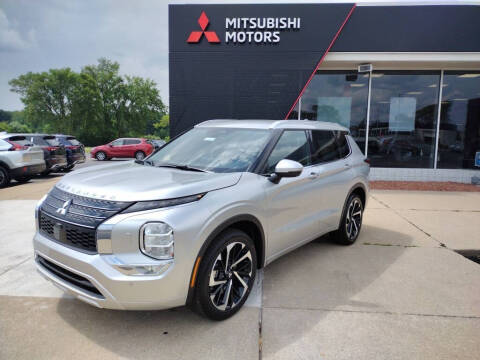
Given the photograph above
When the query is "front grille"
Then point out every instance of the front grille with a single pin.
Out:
(68, 234)
(72, 219)
(68, 276)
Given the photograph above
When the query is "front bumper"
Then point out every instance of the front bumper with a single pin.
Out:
(116, 290)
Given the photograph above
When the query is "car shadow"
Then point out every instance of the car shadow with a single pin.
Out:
(335, 271)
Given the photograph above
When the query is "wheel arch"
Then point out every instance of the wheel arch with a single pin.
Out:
(246, 223)
(360, 189)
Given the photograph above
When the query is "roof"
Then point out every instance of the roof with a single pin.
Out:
(272, 124)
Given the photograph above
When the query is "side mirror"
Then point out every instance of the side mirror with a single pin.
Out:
(286, 168)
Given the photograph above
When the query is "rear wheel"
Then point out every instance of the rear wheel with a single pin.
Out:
(351, 222)
(4, 177)
(139, 155)
(226, 275)
(101, 156)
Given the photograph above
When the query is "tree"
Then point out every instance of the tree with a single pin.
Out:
(163, 127)
(97, 104)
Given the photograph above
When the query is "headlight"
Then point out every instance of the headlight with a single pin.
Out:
(156, 240)
(149, 205)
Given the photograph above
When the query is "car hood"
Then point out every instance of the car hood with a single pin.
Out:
(128, 181)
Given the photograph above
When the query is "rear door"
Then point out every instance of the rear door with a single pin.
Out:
(131, 146)
(333, 174)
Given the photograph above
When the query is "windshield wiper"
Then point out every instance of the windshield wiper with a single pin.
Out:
(181, 167)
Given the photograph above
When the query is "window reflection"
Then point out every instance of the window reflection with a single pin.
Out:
(403, 113)
(459, 138)
(341, 97)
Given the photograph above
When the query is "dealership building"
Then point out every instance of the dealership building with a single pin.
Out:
(405, 79)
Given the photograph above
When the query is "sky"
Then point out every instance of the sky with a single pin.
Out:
(38, 35)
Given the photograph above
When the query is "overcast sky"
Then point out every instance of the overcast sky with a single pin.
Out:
(38, 35)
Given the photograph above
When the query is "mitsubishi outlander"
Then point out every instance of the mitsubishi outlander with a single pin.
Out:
(193, 222)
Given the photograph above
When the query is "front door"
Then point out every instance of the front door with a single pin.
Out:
(290, 210)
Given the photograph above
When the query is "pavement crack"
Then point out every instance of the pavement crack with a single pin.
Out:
(15, 266)
(373, 312)
(260, 324)
(410, 222)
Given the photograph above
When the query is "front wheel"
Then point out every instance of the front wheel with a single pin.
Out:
(226, 275)
(101, 156)
(139, 155)
(351, 222)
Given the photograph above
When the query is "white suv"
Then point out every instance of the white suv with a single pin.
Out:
(193, 222)
(20, 165)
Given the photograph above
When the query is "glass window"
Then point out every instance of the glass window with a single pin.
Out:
(118, 142)
(73, 141)
(324, 148)
(342, 144)
(459, 138)
(340, 97)
(52, 141)
(403, 114)
(292, 145)
(214, 149)
(131, 142)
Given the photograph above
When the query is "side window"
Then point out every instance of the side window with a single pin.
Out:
(324, 147)
(118, 142)
(342, 144)
(131, 141)
(292, 145)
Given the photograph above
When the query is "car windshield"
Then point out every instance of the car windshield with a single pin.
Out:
(219, 150)
(73, 141)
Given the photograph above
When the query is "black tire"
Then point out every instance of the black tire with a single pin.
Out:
(101, 156)
(4, 177)
(237, 245)
(351, 223)
(46, 172)
(140, 155)
(23, 179)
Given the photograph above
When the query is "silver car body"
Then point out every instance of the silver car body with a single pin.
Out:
(31, 157)
(288, 214)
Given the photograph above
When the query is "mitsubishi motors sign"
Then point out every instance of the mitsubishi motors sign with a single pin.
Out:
(246, 29)
(245, 60)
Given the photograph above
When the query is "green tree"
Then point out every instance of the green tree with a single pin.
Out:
(162, 127)
(97, 104)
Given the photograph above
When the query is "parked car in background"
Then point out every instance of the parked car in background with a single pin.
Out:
(55, 153)
(19, 162)
(137, 148)
(192, 223)
(74, 149)
(157, 143)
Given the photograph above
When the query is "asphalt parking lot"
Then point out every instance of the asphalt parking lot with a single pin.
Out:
(401, 292)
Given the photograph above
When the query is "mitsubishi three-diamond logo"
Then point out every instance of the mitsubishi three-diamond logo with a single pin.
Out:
(196, 36)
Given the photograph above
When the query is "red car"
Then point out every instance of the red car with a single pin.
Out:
(123, 148)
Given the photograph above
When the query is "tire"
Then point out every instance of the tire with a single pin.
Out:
(23, 179)
(351, 223)
(101, 156)
(213, 281)
(46, 172)
(4, 177)
(139, 155)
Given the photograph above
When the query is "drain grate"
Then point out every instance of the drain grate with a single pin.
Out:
(473, 255)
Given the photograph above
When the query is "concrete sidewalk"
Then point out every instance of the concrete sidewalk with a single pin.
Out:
(400, 292)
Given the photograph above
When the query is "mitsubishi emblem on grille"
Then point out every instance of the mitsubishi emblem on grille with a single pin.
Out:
(64, 209)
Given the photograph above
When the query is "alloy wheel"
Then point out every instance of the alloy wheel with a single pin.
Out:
(100, 156)
(230, 276)
(354, 218)
(139, 155)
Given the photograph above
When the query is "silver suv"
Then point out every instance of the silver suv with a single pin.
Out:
(193, 222)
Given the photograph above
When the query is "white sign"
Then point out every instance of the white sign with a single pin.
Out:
(402, 114)
(258, 30)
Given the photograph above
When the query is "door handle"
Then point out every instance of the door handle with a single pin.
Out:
(313, 175)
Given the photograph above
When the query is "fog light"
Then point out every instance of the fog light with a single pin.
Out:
(156, 241)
